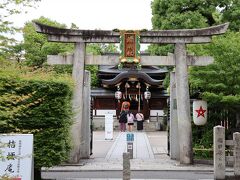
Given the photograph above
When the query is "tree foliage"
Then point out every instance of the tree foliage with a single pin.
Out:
(37, 102)
(179, 14)
(190, 14)
(37, 47)
(220, 80)
(231, 13)
(9, 8)
(219, 85)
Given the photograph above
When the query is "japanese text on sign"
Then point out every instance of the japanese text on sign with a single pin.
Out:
(16, 156)
(130, 137)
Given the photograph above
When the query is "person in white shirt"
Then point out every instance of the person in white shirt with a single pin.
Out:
(139, 118)
(130, 119)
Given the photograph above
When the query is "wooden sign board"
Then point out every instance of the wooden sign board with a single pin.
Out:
(130, 47)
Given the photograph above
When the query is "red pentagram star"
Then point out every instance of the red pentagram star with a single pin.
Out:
(200, 112)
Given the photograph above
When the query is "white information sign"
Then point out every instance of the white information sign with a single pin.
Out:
(109, 126)
(16, 152)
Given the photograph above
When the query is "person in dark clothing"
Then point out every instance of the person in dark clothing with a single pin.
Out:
(123, 116)
(123, 120)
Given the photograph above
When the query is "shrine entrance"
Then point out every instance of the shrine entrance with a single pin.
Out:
(133, 78)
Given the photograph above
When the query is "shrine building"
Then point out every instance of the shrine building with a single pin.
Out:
(141, 86)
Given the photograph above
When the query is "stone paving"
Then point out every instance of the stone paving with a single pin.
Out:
(150, 154)
(141, 147)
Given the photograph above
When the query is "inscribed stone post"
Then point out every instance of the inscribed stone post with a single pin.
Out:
(219, 152)
(183, 105)
(126, 166)
(77, 74)
(236, 142)
(174, 142)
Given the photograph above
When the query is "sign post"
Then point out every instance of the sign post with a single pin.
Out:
(16, 152)
(130, 139)
(108, 126)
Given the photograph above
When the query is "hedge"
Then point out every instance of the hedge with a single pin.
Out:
(37, 102)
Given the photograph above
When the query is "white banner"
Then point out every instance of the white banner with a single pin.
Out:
(103, 112)
(16, 152)
(109, 126)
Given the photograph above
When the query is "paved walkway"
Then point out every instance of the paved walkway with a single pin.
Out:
(156, 142)
(150, 154)
(141, 147)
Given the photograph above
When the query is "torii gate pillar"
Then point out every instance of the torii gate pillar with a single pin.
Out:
(78, 76)
(183, 105)
(174, 138)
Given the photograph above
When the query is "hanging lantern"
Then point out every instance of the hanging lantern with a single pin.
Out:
(118, 95)
(147, 94)
(199, 112)
(126, 87)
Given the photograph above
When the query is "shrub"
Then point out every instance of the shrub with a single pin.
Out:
(37, 102)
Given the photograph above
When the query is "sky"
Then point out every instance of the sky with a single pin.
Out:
(93, 14)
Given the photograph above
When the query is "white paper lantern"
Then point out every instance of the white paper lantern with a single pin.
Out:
(199, 112)
(118, 95)
(147, 95)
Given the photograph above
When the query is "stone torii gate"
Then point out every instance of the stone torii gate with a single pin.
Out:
(180, 59)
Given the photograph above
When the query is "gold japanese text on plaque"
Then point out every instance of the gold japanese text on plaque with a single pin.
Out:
(130, 48)
(130, 44)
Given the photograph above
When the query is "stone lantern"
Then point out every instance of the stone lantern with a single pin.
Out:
(199, 112)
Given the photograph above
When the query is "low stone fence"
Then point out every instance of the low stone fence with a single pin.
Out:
(220, 157)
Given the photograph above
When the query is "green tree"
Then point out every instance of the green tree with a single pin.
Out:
(36, 45)
(179, 14)
(231, 13)
(16, 52)
(98, 49)
(9, 8)
(189, 14)
(217, 83)
(220, 81)
(37, 48)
